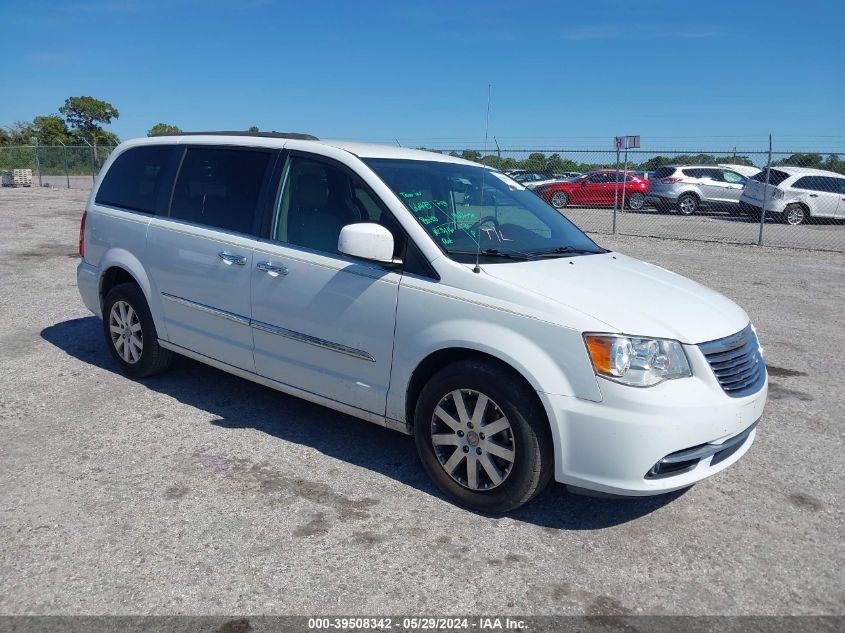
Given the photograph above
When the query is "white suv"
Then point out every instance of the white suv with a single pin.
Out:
(427, 294)
(795, 194)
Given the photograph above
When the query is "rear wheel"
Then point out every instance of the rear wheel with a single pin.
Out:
(687, 204)
(559, 200)
(482, 437)
(636, 201)
(795, 214)
(131, 334)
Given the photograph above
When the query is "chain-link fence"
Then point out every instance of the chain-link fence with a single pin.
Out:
(712, 196)
(65, 166)
(695, 195)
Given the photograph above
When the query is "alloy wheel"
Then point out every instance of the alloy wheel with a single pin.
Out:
(559, 200)
(795, 216)
(687, 205)
(636, 201)
(126, 334)
(476, 449)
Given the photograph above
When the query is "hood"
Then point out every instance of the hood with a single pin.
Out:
(631, 296)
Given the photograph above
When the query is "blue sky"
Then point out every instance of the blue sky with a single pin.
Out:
(681, 74)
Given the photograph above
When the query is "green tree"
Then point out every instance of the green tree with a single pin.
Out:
(51, 129)
(254, 129)
(737, 160)
(834, 163)
(471, 154)
(163, 128)
(86, 117)
(803, 160)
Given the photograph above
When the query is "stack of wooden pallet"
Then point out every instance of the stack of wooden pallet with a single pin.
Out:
(17, 178)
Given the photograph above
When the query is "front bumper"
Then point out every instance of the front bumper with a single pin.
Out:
(616, 445)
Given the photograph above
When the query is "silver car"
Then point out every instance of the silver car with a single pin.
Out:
(691, 188)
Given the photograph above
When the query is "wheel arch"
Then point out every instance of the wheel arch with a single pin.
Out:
(120, 266)
(439, 359)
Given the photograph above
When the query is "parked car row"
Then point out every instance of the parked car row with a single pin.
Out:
(794, 195)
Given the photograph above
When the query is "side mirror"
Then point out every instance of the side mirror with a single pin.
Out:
(366, 240)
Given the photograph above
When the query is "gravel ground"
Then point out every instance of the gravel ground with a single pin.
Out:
(200, 493)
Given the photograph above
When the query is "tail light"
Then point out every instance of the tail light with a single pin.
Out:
(82, 234)
(671, 181)
(778, 194)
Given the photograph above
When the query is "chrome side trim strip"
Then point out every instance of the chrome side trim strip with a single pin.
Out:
(272, 329)
(223, 314)
(312, 340)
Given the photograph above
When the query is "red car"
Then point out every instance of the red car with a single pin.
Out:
(596, 189)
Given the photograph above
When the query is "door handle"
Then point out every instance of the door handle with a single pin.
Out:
(272, 269)
(231, 258)
(814, 195)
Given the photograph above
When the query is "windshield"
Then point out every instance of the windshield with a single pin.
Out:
(467, 209)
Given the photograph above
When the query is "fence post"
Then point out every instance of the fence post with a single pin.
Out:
(615, 191)
(37, 161)
(93, 175)
(765, 194)
(67, 173)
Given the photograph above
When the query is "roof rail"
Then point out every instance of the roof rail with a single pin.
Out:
(292, 135)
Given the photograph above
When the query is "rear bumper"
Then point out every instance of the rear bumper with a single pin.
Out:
(88, 282)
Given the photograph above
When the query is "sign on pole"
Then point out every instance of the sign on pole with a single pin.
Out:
(620, 142)
(632, 142)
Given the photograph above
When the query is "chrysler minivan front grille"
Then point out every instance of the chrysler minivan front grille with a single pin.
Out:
(736, 362)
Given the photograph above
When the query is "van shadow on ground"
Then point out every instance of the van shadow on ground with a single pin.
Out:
(240, 404)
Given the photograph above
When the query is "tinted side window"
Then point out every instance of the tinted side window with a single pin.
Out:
(663, 172)
(318, 199)
(813, 183)
(693, 173)
(775, 178)
(139, 179)
(219, 187)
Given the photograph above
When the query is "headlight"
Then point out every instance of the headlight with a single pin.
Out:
(639, 362)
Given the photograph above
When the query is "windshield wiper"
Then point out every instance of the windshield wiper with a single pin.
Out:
(566, 251)
(492, 252)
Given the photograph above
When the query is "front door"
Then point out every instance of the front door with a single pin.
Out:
(323, 322)
(200, 258)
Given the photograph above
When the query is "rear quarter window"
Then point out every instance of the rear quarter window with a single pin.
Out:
(140, 179)
(220, 187)
(775, 178)
(662, 172)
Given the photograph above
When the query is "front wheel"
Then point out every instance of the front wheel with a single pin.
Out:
(131, 334)
(482, 437)
(636, 201)
(559, 200)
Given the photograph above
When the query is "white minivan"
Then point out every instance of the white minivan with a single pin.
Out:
(425, 293)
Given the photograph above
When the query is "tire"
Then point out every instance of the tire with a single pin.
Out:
(688, 204)
(636, 201)
(519, 452)
(126, 315)
(795, 214)
(559, 200)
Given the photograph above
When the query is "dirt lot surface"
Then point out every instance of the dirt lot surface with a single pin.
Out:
(197, 492)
